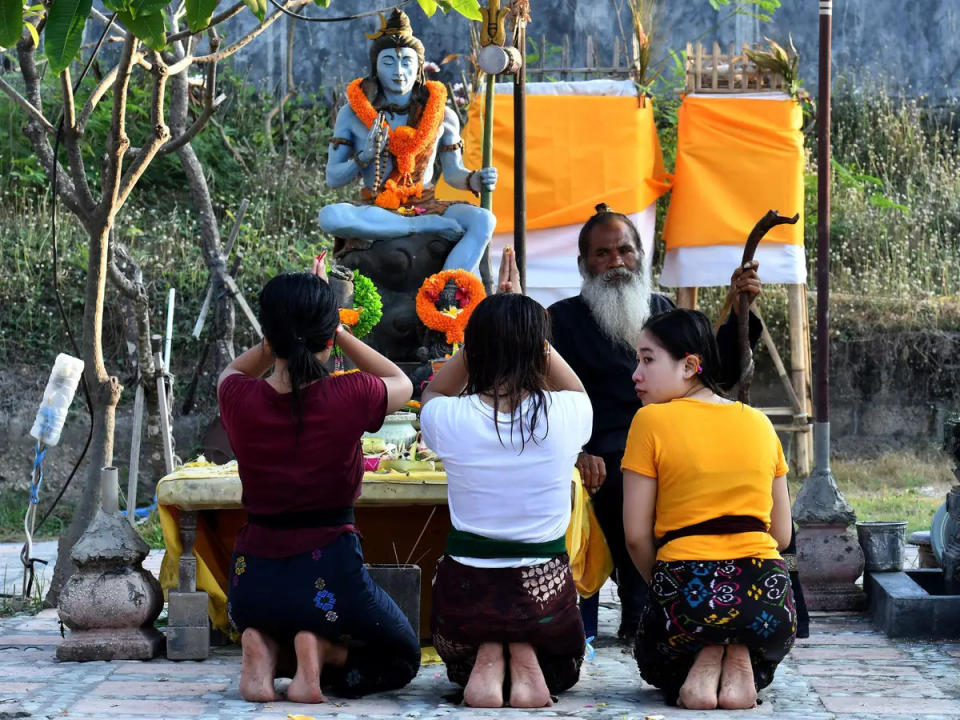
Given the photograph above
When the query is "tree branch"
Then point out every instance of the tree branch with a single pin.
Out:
(210, 104)
(78, 171)
(161, 133)
(36, 131)
(250, 36)
(214, 21)
(117, 140)
(99, 91)
(34, 112)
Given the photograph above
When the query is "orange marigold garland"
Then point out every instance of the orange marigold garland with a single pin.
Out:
(349, 316)
(451, 320)
(405, 143)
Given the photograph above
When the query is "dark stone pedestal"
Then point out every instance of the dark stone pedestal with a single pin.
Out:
(398, 268)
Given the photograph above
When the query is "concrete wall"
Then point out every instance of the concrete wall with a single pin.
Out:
(914, 42)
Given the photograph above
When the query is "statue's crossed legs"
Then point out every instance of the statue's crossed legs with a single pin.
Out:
(468, 226)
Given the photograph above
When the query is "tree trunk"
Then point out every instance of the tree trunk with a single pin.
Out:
(104, 394)
(128, 278)
(223, 310)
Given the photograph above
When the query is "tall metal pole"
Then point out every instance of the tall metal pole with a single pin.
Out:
(520, 156)
(822, 388)
(829, 556)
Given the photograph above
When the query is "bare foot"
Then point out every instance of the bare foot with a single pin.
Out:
(485, 686)
(737, 688)
(527, 686)
(305, 687)
(259, 664)
(699, 691)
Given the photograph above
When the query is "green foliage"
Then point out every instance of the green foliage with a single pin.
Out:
(63, 32)
(149, 28)
(366, 296)
(11, 22)
(199, 13)
(470, 9)
(429, 7)
(257, 7)
(761, 9)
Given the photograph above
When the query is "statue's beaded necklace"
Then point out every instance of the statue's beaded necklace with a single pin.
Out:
(406, 144)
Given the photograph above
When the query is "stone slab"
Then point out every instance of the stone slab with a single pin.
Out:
(847, 653)
(139, 688)
(108, 707)
(846, 639)
(848, 670)
(112, 644)
(18, 688)
(891, 705)
(892, 687)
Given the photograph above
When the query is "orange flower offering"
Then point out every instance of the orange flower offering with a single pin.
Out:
(350, 316)
(451, 320)
(405, 143)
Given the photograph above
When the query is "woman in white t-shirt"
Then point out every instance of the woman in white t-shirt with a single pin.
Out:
(507, 416)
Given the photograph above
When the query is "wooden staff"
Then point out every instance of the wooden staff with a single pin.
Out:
(769, 221)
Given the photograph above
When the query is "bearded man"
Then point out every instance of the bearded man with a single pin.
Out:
(596, 332)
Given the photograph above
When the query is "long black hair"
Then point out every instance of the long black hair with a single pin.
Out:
(603, 216)
(504, 345)
(298, 315)
(687, 332)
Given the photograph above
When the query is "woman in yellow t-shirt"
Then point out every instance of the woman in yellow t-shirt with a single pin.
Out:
(705, 512)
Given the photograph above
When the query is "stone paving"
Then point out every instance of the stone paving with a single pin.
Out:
(846, 670)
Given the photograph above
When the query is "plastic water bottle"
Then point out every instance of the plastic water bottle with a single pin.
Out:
(61, 387)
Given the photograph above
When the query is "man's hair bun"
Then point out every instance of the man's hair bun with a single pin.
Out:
(602, 208)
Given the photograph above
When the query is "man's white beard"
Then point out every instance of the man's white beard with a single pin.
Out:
(620, 302)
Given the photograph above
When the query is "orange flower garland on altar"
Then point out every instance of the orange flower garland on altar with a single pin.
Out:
(452, 320)
(405, 143)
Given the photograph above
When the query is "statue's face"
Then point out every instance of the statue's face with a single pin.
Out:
(397, 69)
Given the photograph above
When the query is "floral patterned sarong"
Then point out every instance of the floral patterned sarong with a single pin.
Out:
(328, 592)
(535, 604)
(698, 603)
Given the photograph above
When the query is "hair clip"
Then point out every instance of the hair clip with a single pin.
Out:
(699, 366)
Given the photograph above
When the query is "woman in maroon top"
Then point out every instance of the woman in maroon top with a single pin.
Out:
(298, 576)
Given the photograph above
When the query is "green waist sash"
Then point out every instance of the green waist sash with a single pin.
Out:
(466, 544)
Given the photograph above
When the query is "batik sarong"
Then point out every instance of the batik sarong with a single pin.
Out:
(698, 603)
(536, 604)
(328, 592)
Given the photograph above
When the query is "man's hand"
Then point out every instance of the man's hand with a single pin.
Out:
(483, 179)
(592, 471)
(745, 280)
(509, 281)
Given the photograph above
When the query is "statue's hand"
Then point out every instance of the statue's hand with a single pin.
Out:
(372, 142)
(484, 179)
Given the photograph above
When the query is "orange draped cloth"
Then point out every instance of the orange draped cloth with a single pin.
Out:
(581, 150)
(736, 158)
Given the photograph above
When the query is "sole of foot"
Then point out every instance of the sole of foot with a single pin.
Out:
(737, 688)
(258, 665)
(485, 687)
(699, 690)
(528, 689)
(305, 687)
